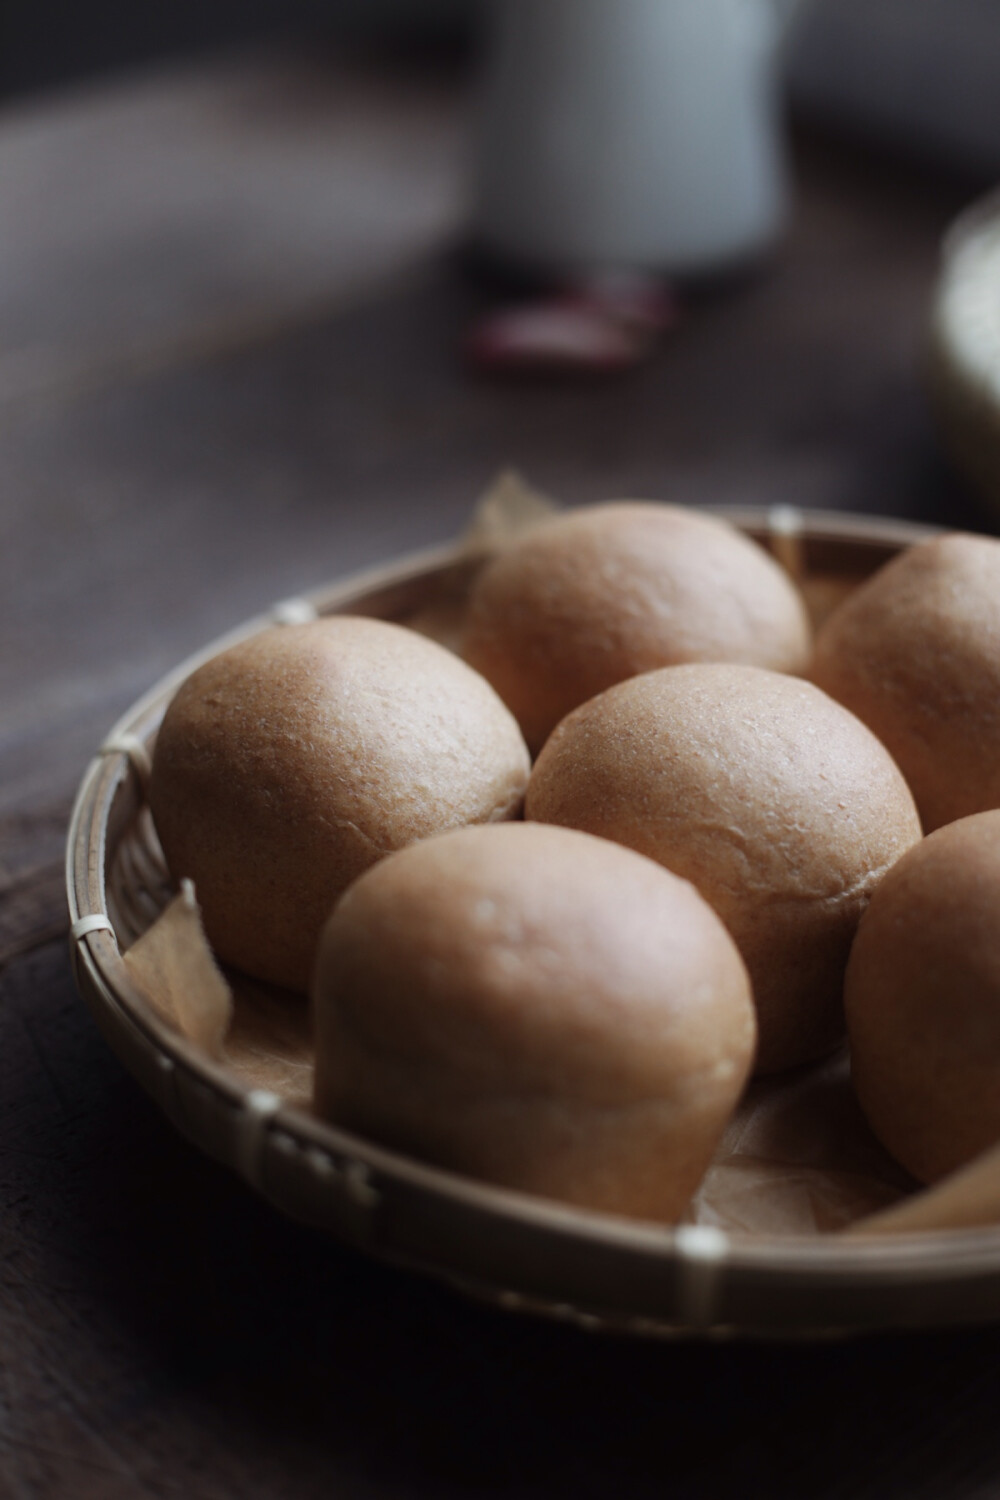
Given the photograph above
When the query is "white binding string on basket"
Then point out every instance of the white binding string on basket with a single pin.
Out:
(96, 921)
(702, 1250)
(260, 1105)
(294, 612)
(785, 526)
(132, 746)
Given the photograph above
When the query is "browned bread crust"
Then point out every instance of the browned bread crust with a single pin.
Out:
(538, 1008)
(287, 765)
(923, 1000)
(774, 801)
(594, 596)
(915, 653)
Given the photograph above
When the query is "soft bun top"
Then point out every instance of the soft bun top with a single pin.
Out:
(915, 653)
(290, 763)
(774, 801)
(923, 1000)
(594, 596)
(536, 1007)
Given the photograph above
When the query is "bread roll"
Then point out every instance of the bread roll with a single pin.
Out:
(537, 1008)
(290, 763)
(915, 653)
(595, 596)
(776, 803)
(923, 1000)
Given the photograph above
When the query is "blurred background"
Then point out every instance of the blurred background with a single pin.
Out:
(59, 42)
(234, 287)
(237, 312)
(917, 73)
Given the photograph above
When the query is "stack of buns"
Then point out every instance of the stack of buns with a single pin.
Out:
(915, 653)
(558, 978)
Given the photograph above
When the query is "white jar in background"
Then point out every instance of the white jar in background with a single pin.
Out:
(640, 133)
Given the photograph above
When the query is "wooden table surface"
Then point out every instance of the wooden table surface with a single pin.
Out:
(230, 301)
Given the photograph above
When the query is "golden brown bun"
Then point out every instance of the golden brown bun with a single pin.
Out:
(915, 653)
(779, 805)
(923, 1000)
(290, 763)
(537, 1008)
(592, 597)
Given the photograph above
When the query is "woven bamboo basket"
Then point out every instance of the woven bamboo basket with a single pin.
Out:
(595, 1270)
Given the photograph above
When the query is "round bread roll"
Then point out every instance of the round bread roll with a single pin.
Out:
(290, 763)
(776, 803)
(923, 1000)
(915, 653)
(537, 1008)
(592, 597)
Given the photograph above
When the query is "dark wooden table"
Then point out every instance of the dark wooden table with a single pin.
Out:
(230, 302)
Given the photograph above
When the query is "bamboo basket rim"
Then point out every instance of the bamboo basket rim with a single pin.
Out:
(703, 1259)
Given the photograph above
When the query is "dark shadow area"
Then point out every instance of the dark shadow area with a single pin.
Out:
(166, 1305)
(56, 43)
